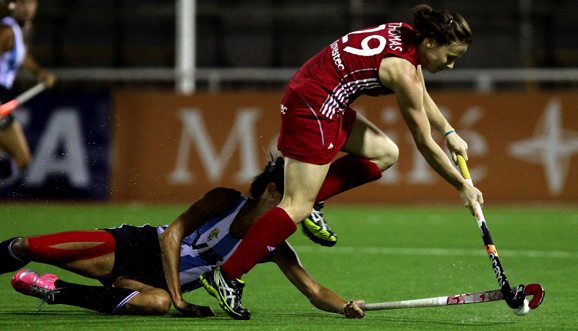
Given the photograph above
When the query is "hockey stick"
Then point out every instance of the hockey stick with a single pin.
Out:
(515, 297)
(9, 106)
(451, 300)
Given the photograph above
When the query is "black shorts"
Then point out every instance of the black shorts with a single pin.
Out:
(137, 254)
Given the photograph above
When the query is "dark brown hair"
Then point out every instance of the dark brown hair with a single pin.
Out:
(274, 172)
(445, 26)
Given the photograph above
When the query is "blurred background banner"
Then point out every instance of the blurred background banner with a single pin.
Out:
(68, 134)
(196, 86)
(172, 148)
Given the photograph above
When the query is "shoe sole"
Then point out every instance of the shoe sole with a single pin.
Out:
(317, 240)
(215, 293)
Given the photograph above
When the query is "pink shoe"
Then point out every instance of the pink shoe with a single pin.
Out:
(31, 283)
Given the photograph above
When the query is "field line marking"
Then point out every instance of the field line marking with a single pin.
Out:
(434, 251)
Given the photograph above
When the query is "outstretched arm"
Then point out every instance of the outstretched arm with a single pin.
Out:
(212, 204)
(455, 143)
(401, 76)
(30, 63)
(44, 76)
(321, 297)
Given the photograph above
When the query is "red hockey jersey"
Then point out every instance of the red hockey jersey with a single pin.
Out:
(331, 80)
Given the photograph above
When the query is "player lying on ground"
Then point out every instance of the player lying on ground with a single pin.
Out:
(144, 268)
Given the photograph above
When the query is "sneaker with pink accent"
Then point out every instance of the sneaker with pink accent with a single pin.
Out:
(31, 283)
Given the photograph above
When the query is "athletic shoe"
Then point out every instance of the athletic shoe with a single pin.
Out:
(316, 228)
(31, 283)
(227, 291)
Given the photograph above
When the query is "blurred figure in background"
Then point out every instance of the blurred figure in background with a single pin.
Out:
(15, 35)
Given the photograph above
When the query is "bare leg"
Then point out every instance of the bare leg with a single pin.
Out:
(13, 141)
(91, 254)
(369, 142)
(128, 297)
(149, 301)
(92, 257)
(370, 153)
(302, 183)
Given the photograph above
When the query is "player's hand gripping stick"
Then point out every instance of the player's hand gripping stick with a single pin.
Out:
(515, 297)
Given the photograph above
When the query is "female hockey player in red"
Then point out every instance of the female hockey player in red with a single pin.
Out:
(317, 123)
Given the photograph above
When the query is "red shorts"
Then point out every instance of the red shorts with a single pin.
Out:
(307, 135)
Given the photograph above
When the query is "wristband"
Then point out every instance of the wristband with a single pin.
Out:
(450, 132)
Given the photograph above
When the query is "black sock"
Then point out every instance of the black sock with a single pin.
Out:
(5, 168)
(8, 261)
(108, 300)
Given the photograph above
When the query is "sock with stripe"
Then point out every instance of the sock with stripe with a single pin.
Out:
(108, 300)
(346, 173)
(263, 236)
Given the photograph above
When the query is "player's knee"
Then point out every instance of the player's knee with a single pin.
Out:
(21, 248)
(160, 304)
(389, 155)
(149, 302)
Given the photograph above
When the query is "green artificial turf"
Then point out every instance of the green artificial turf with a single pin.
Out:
(383, 254)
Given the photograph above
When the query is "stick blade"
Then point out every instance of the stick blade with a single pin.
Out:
(538, 294)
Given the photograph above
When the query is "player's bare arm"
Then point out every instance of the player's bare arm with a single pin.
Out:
(401, 76)
(437, 120)
(212, 204)
(35, 68)
(6, 38)
(6, 42)
(321, 297)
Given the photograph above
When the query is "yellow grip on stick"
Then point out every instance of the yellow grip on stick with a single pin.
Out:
(463, 167)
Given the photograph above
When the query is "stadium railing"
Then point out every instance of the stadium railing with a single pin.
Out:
(482, 80)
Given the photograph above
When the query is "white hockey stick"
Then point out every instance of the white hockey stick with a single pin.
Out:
(9, 106)
(451, 300)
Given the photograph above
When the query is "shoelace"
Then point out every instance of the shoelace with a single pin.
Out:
(47, 295)
(230, 293)
(317, 218)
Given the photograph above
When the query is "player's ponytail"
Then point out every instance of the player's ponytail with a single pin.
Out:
(273, 173)
(445, 26)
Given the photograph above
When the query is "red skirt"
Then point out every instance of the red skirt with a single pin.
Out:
(307, 135)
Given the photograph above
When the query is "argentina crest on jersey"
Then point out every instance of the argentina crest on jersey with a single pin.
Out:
(209, 246)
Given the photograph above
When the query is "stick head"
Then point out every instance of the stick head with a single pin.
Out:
(537, 292)
(516, 299)
(8, 107)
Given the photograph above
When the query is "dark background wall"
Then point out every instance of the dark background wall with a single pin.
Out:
(285, 33)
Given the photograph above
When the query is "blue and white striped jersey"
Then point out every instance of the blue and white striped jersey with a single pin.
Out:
(209, 246)
(11, 60)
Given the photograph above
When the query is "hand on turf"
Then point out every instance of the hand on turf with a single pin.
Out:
(193, 310)
(457, 145)
(351, 310)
